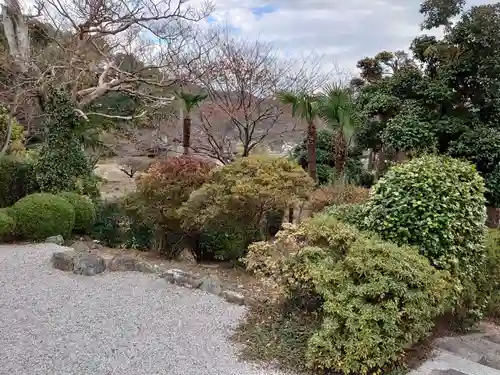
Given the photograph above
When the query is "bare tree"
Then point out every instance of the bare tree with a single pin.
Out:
(241, 79)
(137, 48)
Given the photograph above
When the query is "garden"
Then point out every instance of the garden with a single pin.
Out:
(375, 234)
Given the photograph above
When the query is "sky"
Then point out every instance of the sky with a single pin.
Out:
(341, 31)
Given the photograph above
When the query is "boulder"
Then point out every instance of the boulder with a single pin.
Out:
(186, 255)
(58, 240)
(211, 286)
(233, 297)
(89, 265)
(181, 278)
(145, 267)
(64, 260)
(122, 263)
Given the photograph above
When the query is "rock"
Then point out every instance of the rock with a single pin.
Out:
(64, 260)
(181, 278)
(187, 256)
(233, 297)
(58, 240)
(83, 247)
(211, 286)
(122, 263)
(145, 267)
(89, 265)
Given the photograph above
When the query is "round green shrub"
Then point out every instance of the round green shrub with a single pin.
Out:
(7, 225)
(85, 211)
(42, 215)
(436, 204)
(376, 306)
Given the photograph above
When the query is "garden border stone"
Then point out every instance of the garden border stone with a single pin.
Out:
(90, 264)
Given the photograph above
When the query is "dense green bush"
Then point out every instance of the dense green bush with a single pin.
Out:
(107, 228)
(436, 204)
(62, 162)
(489, 284)
(16, 179)
(374, 299)
(353, 214)
(7, 225)
(85, 212)
(222, 244)
(241, 195)
(42, 215)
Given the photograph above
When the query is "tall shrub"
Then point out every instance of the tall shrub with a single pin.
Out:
(436, 204)
(161, 192)
(244, 192)
(62, 162)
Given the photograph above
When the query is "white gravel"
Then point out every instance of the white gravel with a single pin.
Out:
(53, 322)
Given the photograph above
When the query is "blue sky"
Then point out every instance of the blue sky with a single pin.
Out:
(341, 31)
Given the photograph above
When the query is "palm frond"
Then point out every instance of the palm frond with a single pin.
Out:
(190, 100)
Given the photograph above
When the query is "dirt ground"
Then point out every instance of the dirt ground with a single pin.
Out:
(116, 183)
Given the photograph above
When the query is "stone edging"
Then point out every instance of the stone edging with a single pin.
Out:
(90, 264)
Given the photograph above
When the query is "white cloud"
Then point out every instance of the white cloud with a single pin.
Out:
(342, 31)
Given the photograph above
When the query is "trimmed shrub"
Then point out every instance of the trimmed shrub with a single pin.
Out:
(335, 195)
(42, 215)
(376, 306)
(107, 228)
(17, 179)
(85, 212)
(490, 277)
(373, 299)
(436, 204)
(7, 225)
(242, 194)
(161, 192)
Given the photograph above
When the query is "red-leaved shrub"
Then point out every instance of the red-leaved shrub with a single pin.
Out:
(336, 195)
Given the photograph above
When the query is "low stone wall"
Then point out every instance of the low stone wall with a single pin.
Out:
(91, 264)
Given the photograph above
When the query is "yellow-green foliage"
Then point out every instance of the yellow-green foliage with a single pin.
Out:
(375, 298)
(244, 191)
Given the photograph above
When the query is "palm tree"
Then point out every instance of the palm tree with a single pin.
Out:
(190, 101)
(336, 107)
(306, 107)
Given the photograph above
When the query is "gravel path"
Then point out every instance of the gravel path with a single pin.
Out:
(56, 323)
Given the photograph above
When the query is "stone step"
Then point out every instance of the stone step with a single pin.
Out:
(446, 363)
(478, 348)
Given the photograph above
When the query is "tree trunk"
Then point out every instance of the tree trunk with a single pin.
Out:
(5, 147)
(311, 150)
(493, 219)
(186, 135)
(371, 156)
(340, 153)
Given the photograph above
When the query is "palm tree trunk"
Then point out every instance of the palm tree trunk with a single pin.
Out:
(186, 135)
(311, 150)
(340, 153)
